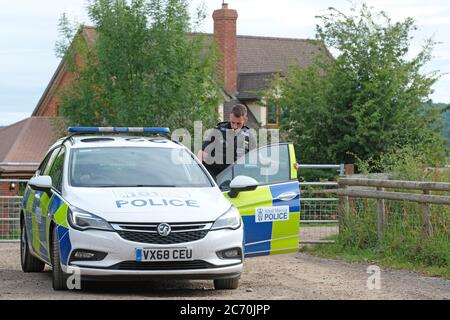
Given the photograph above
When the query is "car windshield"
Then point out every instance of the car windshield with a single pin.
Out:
(135, 167)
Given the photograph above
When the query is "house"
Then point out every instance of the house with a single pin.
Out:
(26, 141)
(247, 65)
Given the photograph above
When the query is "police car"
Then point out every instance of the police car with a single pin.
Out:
(111, 204)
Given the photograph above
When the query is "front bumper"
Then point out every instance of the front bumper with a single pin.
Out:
(120, 259)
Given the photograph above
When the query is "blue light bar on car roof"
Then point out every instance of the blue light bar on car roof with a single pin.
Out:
(117, 130)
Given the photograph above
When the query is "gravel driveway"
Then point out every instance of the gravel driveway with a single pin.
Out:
(294, 276)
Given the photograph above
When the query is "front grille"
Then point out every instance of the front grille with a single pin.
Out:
(175, 265)
(147, 233)
(155, 238)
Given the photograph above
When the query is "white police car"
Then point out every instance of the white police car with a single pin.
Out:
(118, 206)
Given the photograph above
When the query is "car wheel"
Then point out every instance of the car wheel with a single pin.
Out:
(226, 284)
(58, 276)
(29, 262)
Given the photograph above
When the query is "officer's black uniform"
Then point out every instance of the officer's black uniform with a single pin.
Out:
(239, 150)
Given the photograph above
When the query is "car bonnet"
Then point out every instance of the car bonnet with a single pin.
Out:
(144, 205)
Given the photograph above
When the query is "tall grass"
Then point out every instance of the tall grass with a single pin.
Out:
(404, 243)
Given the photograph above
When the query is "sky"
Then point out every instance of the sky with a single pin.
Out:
(29, 30)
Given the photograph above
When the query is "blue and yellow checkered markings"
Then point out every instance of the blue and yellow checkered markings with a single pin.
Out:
(60, 216)
(65, 245)
(257, 236)
(55, 204)
(28, 205)
(272, 237)
(43, 223)
(43, 237)
(36, 201)
(29, 224)
(25, 198)
(38, 226)
(57, 209)
(279, 189)
(285, 233)
(36, 221)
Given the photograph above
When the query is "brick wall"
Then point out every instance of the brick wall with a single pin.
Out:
(49, 106)
(5, 189)
(225, 36)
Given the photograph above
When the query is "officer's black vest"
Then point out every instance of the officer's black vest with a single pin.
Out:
(239, 149)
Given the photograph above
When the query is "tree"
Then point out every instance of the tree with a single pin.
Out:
(369, 100)
(146, 68)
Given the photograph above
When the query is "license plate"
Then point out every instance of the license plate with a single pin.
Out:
(173, 254)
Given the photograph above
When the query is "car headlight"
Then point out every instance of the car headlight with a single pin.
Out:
(82, 220)
(229, 220)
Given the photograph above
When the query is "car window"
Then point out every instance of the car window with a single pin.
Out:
(41, 168)
(45, 165)
(224, 178)
(267, 165)
(135, 167)
(56, 170)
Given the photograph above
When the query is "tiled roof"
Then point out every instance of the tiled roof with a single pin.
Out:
(25, 141)
(264, 54)
(270, 54)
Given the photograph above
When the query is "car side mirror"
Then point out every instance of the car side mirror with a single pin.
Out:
(41, 183)
(225, 185)
(240, 184)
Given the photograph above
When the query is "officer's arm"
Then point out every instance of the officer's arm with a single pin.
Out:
(201, 155)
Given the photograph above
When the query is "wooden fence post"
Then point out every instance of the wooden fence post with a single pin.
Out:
(381, 213)
(426, 217)
(343, 207)
(349, 169)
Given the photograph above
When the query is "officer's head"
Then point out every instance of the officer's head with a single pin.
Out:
(238, 117)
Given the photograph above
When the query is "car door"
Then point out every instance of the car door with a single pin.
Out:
(35, 205)
(51, 203)
(271, 213)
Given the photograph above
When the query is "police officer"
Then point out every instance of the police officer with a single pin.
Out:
(229, 141)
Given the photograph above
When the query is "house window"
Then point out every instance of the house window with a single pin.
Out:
(273, 116)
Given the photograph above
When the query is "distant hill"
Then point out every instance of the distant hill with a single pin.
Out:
(446, 115)
(446, 131)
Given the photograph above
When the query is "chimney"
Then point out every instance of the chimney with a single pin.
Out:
(225, 37)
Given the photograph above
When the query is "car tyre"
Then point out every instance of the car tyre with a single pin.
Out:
(59, 277)
(28, 262)
(226, 284)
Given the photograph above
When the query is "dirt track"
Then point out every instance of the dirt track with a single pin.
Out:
(294, 276)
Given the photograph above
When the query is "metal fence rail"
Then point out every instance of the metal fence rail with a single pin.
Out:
(10, 218)
(319, 217)
(11, 202)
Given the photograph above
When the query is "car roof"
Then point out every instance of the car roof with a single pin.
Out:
(107, 141)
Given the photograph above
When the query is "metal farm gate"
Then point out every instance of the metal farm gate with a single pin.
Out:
(319, 215)
(11, 193)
